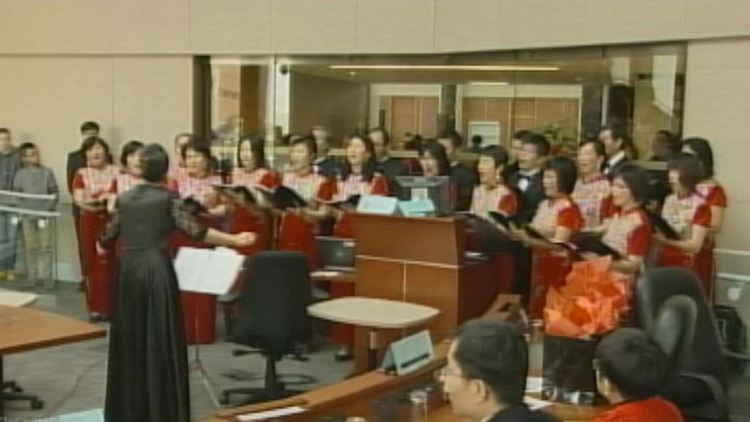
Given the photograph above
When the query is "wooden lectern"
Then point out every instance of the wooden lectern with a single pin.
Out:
(420, 260)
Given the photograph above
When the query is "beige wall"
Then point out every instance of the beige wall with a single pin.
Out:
(44, 100)
(716, 107)
(354, 26)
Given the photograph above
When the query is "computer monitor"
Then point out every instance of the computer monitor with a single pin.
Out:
(435, 189)
(336, 253)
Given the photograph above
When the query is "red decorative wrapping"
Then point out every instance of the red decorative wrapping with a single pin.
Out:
(591, 302)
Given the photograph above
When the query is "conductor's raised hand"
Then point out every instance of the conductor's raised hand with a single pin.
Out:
(244, 239)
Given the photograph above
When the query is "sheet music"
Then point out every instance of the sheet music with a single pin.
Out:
(211, 271)
(270, 414)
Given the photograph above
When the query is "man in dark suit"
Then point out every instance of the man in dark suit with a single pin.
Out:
(323, 163)
(516, 145)
(76, 161)
(528, 182)
(463, 177)
(618, 145)
(485, 374)
(389, 166)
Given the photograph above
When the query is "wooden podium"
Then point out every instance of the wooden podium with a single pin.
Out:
(420, 260)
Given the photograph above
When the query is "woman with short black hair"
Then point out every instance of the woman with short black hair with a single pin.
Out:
(689, 215)
(557, 219)
(91, 189)
(147, 377)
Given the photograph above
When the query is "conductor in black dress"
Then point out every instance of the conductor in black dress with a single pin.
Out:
(147, 379)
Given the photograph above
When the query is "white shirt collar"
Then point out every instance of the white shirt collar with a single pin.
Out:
(616, 159)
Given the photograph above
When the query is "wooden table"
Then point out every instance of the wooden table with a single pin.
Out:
(356, 396)
(373, 314)
(25, 329)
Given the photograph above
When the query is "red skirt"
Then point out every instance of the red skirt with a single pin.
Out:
(298, 234)
(701, 263)
(98, 270)
(199, 309)
(548, 269)
(260, 223)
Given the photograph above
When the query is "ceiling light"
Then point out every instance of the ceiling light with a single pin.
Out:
(481, 68)
(490, 83)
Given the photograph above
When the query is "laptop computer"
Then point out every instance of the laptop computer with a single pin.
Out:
(337, 254)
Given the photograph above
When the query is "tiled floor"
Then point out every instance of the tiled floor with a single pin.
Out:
(72, 378)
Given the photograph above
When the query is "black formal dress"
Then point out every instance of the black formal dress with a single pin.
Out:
(147, 379)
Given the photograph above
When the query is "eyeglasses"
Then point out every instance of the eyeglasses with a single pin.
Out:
(444, 372)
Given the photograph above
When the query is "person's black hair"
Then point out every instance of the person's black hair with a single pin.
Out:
(539, 141)
(92, 141)
(637, 179)
(633, 362)
(257, 147)
(26, 146)
(498, 154)
(521, 134)
(198, 145)
(86, 126)
(383, 132)
(5, 130)
(689, 169)
(597, 144)
(703, 152)
(476, 140)
(495, 353)
(436, 151)
(619, 131)
(309, 142)
(456, 139)
(155, 163)
(670, 140)
(129, 148)
(369, 166)
(565, 170)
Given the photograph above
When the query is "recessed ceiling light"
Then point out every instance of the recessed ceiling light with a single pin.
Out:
(481, 68)
(490, 83)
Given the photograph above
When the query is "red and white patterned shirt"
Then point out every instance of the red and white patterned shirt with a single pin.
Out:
(499, 198)
(96, 183)
(200, 188)
(124, 182)
(258, 177)
(593, 199)
(312, 186)
(629, 232)
(355, 185)
(682, 213)
(556, 212)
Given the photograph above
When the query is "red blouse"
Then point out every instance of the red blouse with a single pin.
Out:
(311, 187)
(713, 193)
(124, 182)
(258, 177)
(593, 198)
(200, 188)
(96, 183)
(684, 212)
(629, 232)
(557, 212)
(654, 409)
(499, 198)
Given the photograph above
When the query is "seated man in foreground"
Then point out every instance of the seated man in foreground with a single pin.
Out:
(630, 372)
(485, 374)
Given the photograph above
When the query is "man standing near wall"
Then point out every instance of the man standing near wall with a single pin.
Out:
(10, 162)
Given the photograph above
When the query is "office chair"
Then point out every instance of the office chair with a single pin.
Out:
(272, 316)
(11, 391)
(702, 377)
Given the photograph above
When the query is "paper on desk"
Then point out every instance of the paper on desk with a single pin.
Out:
(534, 384)
(536, 404)
(326, 273)
(273, 413)
(210, 271)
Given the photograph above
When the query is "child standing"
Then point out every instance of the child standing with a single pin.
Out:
(35, 179)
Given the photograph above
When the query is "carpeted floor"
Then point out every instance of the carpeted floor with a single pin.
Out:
(72, 378)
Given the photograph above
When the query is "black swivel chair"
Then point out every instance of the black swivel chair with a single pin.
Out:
(702, 376)
(272, 316)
